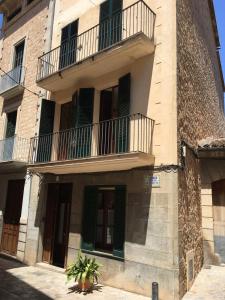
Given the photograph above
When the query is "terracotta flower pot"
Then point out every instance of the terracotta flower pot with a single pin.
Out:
(85, 286)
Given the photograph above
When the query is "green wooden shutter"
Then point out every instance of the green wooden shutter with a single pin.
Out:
(89, 217)
(123, 110)
(45, 131)
(84, 119)
(119, 221)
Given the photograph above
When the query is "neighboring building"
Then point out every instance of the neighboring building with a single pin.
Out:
(114, 168)
(25, 36)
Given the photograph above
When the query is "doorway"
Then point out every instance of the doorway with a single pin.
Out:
(110, 28)
(108, 111)
(10, 135)
(218, 195)
(57, 221)
(12, 215)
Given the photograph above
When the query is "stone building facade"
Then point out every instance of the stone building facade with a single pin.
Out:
(24, 37)
(200, 89)
(114, 167)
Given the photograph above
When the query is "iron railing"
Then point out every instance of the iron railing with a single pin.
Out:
(130, 21)
(122, 135)
(12, 79)
(14, 149)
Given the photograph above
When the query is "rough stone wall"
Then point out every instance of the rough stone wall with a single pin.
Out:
(31, 27)
(200, 114)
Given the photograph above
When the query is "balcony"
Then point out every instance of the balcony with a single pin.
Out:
(118, 144)
(106, 47)
(13, 153)
(11, 84)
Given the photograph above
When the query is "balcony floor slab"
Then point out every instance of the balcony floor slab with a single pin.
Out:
(105, 61)
(107, 163)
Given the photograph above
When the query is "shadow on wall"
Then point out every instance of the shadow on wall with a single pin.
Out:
(137, 207)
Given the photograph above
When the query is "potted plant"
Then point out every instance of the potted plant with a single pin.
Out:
(84, 271)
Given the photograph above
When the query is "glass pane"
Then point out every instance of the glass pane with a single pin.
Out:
(111, 217)
(109, 236)
(99, 235)
(100, 217)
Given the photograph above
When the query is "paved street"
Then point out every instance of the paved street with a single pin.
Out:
(22, 282)
(209, 285)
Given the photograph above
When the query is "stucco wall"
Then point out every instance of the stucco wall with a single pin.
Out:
(199, 104)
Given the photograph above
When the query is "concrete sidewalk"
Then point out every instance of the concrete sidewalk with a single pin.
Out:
(18, 281)
(209, 285)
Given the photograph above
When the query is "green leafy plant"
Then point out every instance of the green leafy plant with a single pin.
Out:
(83, 269)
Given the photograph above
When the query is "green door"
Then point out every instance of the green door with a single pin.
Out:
(110, 28)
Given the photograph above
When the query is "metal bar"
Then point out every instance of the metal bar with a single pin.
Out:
(107, 33)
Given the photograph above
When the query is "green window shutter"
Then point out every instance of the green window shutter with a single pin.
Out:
(45, 130)
(84, 119)
(119, 221)
(89, 217)
(123, 110)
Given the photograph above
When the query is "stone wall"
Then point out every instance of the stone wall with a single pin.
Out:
(151, 230)
(200, 114)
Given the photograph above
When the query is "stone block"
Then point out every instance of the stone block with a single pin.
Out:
(206, 200)
(207, 211)
(207, 223)
(208, 234)
(22, 237)
(21, 246)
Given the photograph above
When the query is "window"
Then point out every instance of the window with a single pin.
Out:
(15, 13)
(19, 51)
(103, 227)
(105, 220)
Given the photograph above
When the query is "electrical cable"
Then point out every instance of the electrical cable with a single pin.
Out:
(34, 93)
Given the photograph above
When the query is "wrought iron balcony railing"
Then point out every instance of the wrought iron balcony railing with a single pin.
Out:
(130, 21)
(14, 149)
(129, 134)
(12, 79)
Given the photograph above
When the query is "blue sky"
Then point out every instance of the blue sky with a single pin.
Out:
(220, 15)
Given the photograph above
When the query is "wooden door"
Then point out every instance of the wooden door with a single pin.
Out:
(57, 223)
(61, 233)
(12, 216)
(50, 216)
